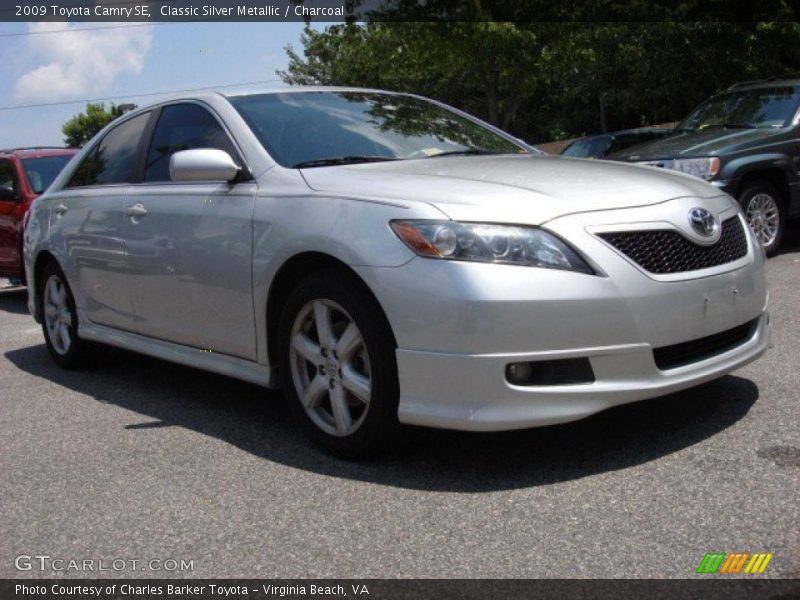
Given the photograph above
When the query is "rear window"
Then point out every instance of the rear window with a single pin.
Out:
(113, 159)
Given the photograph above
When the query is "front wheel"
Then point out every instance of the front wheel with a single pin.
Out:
(338, 365)
(763, 210)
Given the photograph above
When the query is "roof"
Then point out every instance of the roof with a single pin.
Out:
(299, 89)
(40, 151)
(769, 82)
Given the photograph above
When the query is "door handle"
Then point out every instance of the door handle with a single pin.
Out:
(61, 209)
(136, 211)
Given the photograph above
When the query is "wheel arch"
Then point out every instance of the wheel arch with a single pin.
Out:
(772, 175)
(293, 270)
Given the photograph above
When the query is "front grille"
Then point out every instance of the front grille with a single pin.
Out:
(686, 353)
(663, 251)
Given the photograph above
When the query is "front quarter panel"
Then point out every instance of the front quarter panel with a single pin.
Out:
(289, 221)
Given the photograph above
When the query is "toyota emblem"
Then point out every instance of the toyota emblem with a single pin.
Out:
(703, 222)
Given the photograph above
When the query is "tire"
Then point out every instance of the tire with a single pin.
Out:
(763, 208)
(347, 372)
(60, 320)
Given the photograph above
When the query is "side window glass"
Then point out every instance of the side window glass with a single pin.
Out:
(115, 156)
(8, 181)
(183, 127)
(81, 174)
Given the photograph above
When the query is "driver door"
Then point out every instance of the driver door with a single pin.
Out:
(190, 243)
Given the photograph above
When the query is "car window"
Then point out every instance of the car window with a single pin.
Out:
(183, 127)
(766, 107)
(594, 147)
(113, 159)
(8, 177)
(42, 171)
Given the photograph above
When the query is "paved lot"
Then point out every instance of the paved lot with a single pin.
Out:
(139, 458)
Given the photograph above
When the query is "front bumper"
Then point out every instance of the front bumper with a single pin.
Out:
(459, 325)
(470, 391)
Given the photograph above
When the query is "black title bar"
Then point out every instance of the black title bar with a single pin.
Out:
(394, 10)
(407, 589)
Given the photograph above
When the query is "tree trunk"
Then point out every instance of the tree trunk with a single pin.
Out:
(603, 126)
(492, 84)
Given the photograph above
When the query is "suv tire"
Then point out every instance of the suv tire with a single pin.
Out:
(764, 212)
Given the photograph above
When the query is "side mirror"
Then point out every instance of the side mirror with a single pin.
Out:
(7, 194)
(202, 164)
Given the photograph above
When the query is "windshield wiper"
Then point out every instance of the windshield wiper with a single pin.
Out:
(341, 160)
(469, 152)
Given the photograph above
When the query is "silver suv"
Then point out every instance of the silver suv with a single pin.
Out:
(387, 259)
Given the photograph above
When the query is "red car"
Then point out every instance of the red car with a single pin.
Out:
(24, 174)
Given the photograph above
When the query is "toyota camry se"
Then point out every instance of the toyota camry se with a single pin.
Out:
(388, 260)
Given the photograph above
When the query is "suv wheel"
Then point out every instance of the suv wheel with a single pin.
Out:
(763, 210)
(60, 319)
(338, 365)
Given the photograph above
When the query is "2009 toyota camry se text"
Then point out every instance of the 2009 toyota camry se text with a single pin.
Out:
(387, 259)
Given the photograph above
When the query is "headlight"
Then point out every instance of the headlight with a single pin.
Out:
(484, 242)
(704, 168)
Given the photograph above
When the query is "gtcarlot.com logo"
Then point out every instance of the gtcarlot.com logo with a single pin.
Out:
(734, 562)
(45, 562)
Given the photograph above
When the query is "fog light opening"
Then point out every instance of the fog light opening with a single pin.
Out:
(567, 371)
(519, 373)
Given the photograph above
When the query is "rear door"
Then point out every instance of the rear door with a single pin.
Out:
(88, 224)
(10, 215)
(190, 247)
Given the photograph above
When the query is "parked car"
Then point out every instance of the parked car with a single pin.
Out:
(745, 141)
(24, 174)
(600, 146)
(387, 259)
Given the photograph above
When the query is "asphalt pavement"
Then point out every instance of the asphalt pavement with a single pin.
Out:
(140, 459)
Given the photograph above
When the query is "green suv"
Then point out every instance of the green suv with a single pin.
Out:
(746, 141)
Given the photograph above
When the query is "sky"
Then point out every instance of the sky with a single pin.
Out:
(56, 62)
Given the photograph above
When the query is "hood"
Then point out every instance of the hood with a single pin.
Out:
(508, 188)
(709, 142)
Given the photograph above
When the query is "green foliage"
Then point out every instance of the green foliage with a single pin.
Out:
(82, 127)
(543, 79)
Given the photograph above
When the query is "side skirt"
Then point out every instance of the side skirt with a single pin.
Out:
(185, 355)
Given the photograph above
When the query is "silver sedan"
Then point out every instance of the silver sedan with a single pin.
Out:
(386, 259)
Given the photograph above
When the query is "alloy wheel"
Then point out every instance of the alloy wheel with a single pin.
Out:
(57, 315)
(330, 367)
(763, 216)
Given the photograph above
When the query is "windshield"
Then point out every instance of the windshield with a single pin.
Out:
(589, 148)
(765, 107)
(319, 128)
(42, 171)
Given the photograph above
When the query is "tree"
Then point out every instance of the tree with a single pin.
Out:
(472, 65)
(549, 80)
(82, 127)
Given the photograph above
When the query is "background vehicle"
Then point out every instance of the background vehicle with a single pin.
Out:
(386, 259)
(600, 146)
(745, 141)
(24, 174)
